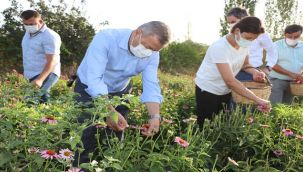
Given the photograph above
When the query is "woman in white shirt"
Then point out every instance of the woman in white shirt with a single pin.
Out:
(262, 42)
(223, 60)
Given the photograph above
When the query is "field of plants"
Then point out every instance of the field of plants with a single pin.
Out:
(44, 137)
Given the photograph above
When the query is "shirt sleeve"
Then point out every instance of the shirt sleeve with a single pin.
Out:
(218, 54)
(52, 44)
(96, 60)
(151, 88)
(271, 53)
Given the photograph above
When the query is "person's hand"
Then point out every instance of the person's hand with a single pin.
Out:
(299, 79)
(264, 105)
(259, 76)
(37, 83)
(296, 77)
(116, 126)
(153, 127)
(265, 70)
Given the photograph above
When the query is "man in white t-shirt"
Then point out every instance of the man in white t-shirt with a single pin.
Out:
(263, 42)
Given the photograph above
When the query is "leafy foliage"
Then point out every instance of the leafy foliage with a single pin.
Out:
(250, 143)
(184, 57)
(11, 32)
(279, 14)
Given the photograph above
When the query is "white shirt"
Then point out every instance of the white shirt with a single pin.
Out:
(35, 48)
(208, 77)
(263, 41)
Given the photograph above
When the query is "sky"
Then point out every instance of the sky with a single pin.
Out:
(200, 19)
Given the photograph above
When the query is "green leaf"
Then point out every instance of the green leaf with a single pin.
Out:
(111, 159)
(116, 166)
(5, 157)
(155, 167)
(85, 165)
(115, 117)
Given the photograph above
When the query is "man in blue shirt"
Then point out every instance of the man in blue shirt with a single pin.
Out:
(41, 52)
(112, 58)
(289, 66)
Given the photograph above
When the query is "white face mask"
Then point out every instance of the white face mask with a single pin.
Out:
(31, 28)
(139, 50)
(291, 42)
(243, 42)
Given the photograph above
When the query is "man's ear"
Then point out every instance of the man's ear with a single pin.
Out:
(138, 31)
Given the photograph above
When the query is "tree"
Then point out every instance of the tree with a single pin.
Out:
(11, 32)
(184, 57)
(279, 14)
(250, 5)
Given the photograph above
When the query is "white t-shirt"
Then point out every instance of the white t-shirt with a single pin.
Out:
(208, 77)
(263, 41)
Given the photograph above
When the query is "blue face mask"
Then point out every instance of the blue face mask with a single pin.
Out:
(244, 43)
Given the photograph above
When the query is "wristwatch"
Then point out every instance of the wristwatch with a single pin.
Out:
(156, 116)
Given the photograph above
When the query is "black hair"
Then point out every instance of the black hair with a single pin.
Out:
(29, 14)
(293, 28)
(238, 12)
(250, 25)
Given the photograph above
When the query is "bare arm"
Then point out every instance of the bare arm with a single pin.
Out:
(283, 71)
(257, 75)
(294, 76)
(48, 68)
(247, 67)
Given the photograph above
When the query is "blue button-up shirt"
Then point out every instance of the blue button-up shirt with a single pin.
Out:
(289, 58)
(108, 65)
(35, 48)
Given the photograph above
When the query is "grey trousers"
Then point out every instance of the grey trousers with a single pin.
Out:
(280, 92)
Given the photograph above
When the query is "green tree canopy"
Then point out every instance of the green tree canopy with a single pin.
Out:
(279, 14)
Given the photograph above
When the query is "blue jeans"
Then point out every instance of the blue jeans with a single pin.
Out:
(50, 81)
(244, 76)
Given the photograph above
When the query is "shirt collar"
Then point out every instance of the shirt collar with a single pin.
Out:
(124, 41)
(299, 45)
(44, 27)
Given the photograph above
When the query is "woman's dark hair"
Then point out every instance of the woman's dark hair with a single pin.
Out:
(237, 12)
(293, 29)
(29, 14)
(250, 25)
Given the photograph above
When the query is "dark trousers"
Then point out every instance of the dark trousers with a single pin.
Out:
(88, 138)
(209, 104)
